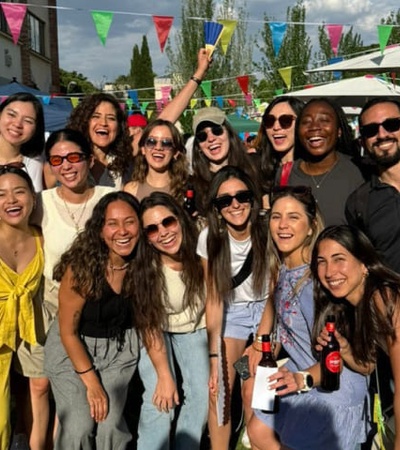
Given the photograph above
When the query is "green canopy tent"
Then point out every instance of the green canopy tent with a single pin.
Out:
(243, 125)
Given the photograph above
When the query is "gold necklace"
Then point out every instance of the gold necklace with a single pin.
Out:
(75, 221)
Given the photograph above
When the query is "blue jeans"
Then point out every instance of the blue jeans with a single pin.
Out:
(191, 354)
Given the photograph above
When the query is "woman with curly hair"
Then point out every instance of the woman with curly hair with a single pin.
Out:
(275, 141)
(161, 164)
(22, 134)
(101, 120)
(169, 277)
(233, 249)
(91, 350)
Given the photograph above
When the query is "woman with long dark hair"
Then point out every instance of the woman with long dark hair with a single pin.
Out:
(233, 249)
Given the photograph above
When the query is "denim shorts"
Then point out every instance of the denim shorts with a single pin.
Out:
(242, 319)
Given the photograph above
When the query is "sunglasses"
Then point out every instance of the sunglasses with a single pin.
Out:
(10, 166)
(216, 130)
(73, 158)
(370, 130)
(166, 144)
(167, 223)
(285, 120)
(226, 200)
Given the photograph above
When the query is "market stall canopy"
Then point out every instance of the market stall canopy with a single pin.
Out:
(376, 62)
(56, 113)
(351, 91)
(243, 125)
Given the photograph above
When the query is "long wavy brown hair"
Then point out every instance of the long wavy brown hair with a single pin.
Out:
(121, 148)
(364, 326)
(178, 168)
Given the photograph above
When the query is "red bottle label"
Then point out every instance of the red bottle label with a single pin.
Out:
(332, 362)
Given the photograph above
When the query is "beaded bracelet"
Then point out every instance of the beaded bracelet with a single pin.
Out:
(196, 80)
(84, 371)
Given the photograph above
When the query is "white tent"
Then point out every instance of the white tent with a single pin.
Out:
(351, 91)
(376, 62)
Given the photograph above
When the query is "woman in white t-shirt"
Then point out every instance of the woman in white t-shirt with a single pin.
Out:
(236, 297)
(169, 278)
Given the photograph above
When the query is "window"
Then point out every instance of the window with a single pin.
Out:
(36, 34)
(3, 23)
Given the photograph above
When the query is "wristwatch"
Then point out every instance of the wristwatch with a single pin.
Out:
(308, 381)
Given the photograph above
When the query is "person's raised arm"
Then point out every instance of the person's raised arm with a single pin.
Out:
(70, 310)
(179, 103)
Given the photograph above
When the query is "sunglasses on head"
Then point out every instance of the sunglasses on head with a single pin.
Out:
(167, 223)
(285, 120)
(226, 200)
(216, 130)
(72, 158)
(372, 129)
(165, 144)
(277, 191)
(10, 166)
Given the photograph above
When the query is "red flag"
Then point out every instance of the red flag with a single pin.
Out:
(163, 24)
(231, 102)
(15, 15)
(243, 83)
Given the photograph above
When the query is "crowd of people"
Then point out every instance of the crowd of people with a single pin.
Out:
(105, 274)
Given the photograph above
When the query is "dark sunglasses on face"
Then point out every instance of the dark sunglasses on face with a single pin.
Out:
(167, 223)
(285, 120)
(10, 166)
(72, 158)
(226, 200)
(372, 129)
(166, 144)
(216, 130)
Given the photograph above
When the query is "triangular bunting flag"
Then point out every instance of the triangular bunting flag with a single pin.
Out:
(46, 100)
(212, 35)
(279, 92)
(122, 106)
(286, 74)
(227, 32)
(102, 21)
(220, 101)
(193, 103)
(207, 102)
(334, 33)
(278, 30)
(384, 32)
(243, 82)
(165, 91)
(249, 98)
(129, 102)
(143, 107)
(206, 87)
(15, 15)
(231, 102)
(74, 101)
(163, 24)
(134, 96)
(239, 111)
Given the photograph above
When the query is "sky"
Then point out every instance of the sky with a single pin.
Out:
(80, 48)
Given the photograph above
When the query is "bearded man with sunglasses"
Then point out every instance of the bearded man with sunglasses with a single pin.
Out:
(375, 206)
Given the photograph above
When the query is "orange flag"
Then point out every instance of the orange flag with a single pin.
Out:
(163, 24)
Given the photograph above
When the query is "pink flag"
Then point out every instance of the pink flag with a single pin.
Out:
(15, 15)
(159, 105)
(335, 33)
(163, 24)
(249, 98)
(165, 91)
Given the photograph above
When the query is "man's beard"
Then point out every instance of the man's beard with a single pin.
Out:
(386, 161)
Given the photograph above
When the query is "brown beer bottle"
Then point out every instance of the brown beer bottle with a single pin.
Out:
(330, 359)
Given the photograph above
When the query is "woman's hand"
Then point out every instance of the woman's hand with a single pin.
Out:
(98, 401)
(165, 396)
(323, 339)
(285, 382)
(254, 359)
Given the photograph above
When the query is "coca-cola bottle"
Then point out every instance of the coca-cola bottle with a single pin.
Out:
(263, 397)
(330, 359)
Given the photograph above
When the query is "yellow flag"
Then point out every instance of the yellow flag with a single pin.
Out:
(193, 103)
(227, 32)
(286, 74)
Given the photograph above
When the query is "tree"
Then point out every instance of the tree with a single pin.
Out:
(393, 19)
(74, 83)
(225, 68)
(295, 51)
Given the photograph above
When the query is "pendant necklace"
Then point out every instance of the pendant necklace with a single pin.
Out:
(72, 215)
(319, 183)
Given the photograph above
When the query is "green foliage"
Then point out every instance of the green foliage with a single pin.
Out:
(75, 83)
(225, 68)
(141, 75)
(393, 19)
(296, 38)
